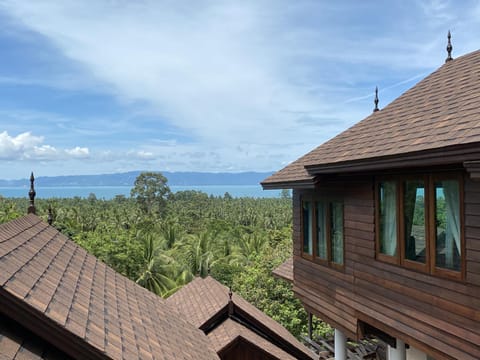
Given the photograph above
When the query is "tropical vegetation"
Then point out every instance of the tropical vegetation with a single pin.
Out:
(162, 240)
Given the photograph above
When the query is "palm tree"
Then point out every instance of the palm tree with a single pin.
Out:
(199, 252)
(157, 268)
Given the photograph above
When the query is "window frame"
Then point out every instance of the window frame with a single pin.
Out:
(379, 255)
(306, 255)
(400, 259)
(326, 202)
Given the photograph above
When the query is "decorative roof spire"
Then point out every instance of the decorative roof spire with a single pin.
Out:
(50, 215)
(449, 48)
(31, 195)
(376, 99)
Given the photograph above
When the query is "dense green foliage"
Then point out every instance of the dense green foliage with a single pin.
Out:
(162, 240)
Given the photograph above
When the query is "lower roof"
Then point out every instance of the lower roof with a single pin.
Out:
(285, 270)
(55, 289)
(230, 331)
(206, 303)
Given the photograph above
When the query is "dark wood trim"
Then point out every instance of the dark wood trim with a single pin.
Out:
(473, 168)
(457, 154)
(294, 184)
(47, 329)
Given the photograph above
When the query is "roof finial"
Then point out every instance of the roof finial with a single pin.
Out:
(449, 48)
(50, 215)
(376, 99)
(230, 294)
(31, 195)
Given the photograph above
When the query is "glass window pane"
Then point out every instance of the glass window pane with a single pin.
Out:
(307, 227)
(414, 218)
(388, 217)
(336, 231)
(447, 219)
(321, 231)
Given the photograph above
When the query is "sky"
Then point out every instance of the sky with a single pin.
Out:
(105, 86)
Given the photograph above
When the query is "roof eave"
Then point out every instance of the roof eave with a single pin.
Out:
(293, 184)
(271, 335)
(40, 325)
(431, 157)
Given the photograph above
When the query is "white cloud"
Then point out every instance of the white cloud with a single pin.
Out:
(18, 146)
(26, 146)
(251, 84)
(78, 152)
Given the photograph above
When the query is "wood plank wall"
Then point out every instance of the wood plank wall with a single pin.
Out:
(436, 315)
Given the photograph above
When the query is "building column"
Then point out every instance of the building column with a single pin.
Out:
(310, 325)
(398, 353)
(340, 345)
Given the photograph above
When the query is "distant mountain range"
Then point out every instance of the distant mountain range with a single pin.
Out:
(128, 178)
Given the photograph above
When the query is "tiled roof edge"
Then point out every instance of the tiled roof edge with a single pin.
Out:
(40, 324)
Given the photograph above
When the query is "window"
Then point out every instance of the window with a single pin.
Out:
(336, 232)
(418, 223)
(414, 222)
(387, 206)
(322, 231)
(448, 249)
(307, 226)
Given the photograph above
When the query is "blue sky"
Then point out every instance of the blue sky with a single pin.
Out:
(91, 87)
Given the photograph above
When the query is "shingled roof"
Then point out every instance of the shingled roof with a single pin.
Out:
(80, 306)
(205, 303)
(429, 124)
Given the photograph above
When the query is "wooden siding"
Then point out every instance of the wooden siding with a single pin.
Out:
(434, 314)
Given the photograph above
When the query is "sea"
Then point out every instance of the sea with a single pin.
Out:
(109, 192)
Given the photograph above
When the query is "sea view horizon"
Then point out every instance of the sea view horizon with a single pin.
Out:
(109, 192)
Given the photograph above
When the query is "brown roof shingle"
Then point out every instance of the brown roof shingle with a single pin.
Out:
(49, 281)
(203, 300)
(441, 111)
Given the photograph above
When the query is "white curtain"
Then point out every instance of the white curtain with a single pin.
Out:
(337, 232)
(389, 219)
(321, 234)
(452, 232)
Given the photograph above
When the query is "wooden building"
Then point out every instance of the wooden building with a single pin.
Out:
(387, 221)
(236, 328)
